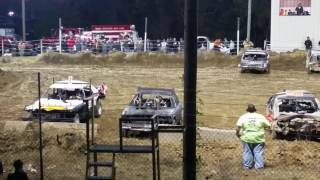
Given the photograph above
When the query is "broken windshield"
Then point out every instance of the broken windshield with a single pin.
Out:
(61, 94)
(151, 101)
(255, 57)
(301, 105)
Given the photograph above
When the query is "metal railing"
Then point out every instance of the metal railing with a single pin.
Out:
(35, 47)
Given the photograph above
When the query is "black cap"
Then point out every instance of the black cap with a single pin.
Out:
(251, 108)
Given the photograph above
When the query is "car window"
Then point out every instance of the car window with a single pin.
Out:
(149, 100)
(270, 102)
(87, 92)
(255, 57)
(297, 105)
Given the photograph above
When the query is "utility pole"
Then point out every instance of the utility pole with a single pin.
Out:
(23, 14)
(60, 35)
(190, 89)
(238, 34)
(145, 34)
(249, 20)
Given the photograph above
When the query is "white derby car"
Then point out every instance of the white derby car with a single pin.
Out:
(66, 101)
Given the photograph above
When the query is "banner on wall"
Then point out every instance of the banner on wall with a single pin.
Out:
(295, 8)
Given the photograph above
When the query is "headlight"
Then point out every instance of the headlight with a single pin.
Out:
(124, 112)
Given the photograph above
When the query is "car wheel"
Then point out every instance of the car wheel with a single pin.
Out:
(276, 135)
(242, 71)
(76, 118)
(268, 70)
(98, 110)
(309, 70)
(176, 121)
(125, 132)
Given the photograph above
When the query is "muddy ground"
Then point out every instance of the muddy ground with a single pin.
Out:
(222, 97)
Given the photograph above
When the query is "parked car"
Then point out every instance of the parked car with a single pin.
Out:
(148, 102)
(203, 43)
(66, 101)
(313, 61)
(255, 60)
(294, 112)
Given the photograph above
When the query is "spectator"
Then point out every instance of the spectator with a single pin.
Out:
(19, 173)
(232, 47)
(217, 44)
(281, 13)
(104, 47)
(299, 9)
(308, 44)
(250, 130)
(1, 168)
(21, 47)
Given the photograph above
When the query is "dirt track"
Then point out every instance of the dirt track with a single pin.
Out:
(222, 97)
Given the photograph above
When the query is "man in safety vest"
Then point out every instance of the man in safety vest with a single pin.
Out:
(251, 131)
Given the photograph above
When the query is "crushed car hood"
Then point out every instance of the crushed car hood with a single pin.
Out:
(290, 116)
(54, 105)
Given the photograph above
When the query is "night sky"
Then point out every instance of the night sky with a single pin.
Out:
(216, 18)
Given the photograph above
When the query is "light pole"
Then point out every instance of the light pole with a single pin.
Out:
(23, 14)
(249, 20)
(238, 34)
(145, 34)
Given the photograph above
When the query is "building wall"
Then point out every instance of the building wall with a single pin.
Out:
(290, 32)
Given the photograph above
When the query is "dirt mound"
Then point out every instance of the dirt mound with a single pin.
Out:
(279, 61)
(288, 61)
(7, 78)
(140, 59)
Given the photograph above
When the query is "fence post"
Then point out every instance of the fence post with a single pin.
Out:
(190, 89)
(2, 47)
(41, 46)
(40, 129)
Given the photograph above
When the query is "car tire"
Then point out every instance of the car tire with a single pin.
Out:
(176, 121)
(242, 71)
(76, 118)
(309, 70)
(276, 135)
(98, 109)
(268, 70)
(125, 132)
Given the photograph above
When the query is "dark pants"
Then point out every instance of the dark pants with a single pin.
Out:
(1, 168)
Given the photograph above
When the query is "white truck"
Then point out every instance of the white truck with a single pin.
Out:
(69, 100)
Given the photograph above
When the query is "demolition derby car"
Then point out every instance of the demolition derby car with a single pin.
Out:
(69, 100)
(294, 112)
(255, 60)
(313, 62)
(150, 102)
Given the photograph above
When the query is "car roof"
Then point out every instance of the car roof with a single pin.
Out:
(295, 93)
(163, 91)
(69, 84)
(255, 51)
